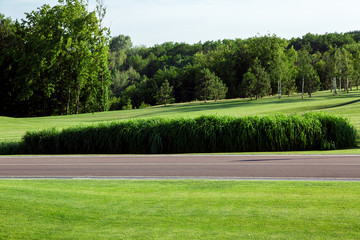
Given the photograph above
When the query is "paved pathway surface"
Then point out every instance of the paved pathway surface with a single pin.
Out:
(184, 166)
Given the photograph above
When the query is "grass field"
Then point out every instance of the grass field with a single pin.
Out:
(178, 209)
(346, 105)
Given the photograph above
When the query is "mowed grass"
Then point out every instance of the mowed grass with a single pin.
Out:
(178, 209)
(348, 105)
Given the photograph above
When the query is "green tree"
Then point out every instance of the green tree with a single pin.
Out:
(256, 81)
(220, 90)
(15, 89)
(210, 86)
(116, 60)
(310, 81)
(334, 66)
(165, 93)
(248, 82)
(138, 63)
(67, 58)
(290, 74)
(347, 69)
(121, 80)
(221, 61)
(304, 62)
(354, 67)
(120, 42)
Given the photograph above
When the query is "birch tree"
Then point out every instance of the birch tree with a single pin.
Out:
(310, 81)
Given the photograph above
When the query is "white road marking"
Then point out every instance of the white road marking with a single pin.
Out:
(181, 178)
(181, 155)
(180, 164)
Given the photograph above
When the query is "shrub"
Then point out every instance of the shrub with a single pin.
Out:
(202, 134)
(144, 105)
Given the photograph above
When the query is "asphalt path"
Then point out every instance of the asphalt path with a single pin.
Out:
(183, 166)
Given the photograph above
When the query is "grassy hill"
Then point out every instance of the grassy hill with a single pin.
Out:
(348, 104)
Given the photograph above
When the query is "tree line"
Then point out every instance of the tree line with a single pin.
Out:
(62, 60)
(241, 68)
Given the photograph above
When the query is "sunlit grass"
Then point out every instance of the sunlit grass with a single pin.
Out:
(178, 209)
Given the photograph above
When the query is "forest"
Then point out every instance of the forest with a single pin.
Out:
(62, 60)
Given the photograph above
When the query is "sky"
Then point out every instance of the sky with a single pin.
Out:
(150, 22)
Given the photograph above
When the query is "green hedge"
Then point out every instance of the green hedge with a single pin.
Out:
(204, 134)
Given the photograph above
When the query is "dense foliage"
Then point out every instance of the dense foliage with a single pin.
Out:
(54, 61)
(60, 60)
(202, 134)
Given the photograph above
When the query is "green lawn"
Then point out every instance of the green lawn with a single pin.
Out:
(178, 209)
(346, 105)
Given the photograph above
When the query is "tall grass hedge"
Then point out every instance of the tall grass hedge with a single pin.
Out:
(204, 134)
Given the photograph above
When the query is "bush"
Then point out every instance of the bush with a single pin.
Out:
(202, 134)
(144, 105)
(10, 148)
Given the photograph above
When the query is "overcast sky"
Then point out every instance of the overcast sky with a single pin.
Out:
(150, 22)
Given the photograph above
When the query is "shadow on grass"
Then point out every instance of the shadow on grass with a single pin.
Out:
(341, 104)
(245, 104)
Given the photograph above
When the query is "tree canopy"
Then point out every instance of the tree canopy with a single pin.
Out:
(60, 58)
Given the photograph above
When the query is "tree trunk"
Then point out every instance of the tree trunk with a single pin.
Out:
(279, 89)
(84, 101)
(77, 99)
(44, 105)
(62, 105)
(339, 85)
(302, 88)
(68, 100)
(102, 91)
(347, 84)
(334, 84)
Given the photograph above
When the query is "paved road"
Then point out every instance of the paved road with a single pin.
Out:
(188, 166)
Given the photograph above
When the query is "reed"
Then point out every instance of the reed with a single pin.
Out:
(205, 134)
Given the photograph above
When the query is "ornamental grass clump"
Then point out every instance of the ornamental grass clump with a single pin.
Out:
(205, 134)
